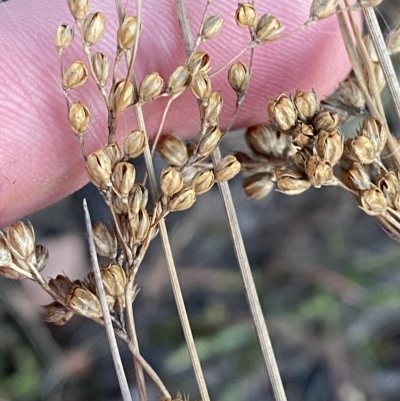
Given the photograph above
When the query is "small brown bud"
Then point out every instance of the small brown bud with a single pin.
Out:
(267, 28)
(389, 185)
(182, 200)
(98, 167)
(151, 87)
(246, 15)
(238, 77)
(282, 112)
(127, 33)
(115, 96)
(330, 146)
(20, 240)
(325, 120)
(202, 181)
(211, 27)
(123, 177)
(93, 28)
(226, 168)
(114, 280)
(211, 109)
(258, 186)
(373, 202)
(351, 94)
(135, 144)
(143, 225)
(393, 41)
(78, 8)
(301, 157)
(200, 85)
(291, 182)
(113, 152)
(355, 177)
(64, 37)
(199, 61)
(105, 241)
(139, 197)
(78, 118)
(172, 150)
(322, 9)
(84, 303)
(178, 81)
(101, 67)
(42, 257)
(302, 135)
(171, 181)
(61, 285)
(74, 76)
(307, 104)
(375, 131)
(263, 140)
(361, 149)
(57, 314)
(319, 171)
(209, 141)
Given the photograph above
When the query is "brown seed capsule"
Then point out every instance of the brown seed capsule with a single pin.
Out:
(282, 112)
(8, 268)
(42, 257)
(209, 141)
(20, 240)
(84, 303)
(263, 140)
(114, 280)
(291, 182)
(198, 62)
(319, 171)
(369, 3)
(361, 149)
(151, 87)
(211, 109)
(375, 131)
(302, 135)
(93, 28)
(301, 157)
(119, 205)
(74, 76)
(64, 37)
(171, 181)
(113, 152)
(267, 28)
(123, 178)
(322, 9)
(105, 241)
(139, 197)
(307, 104)
(5, 254)
(389, 185)
(202, 181)
(211, 27)
(373, 202)
(178, 81)
(182, 200)
(115, 99)
(238, 77)
(61, 285)
(57, 314)
(143, 225)
(330, 146)
(200, 85)
(98, 167)
(258, 186)
(78, 8)
(226, 168)
(325, 120)
(378, 74)
(351, 94)
(355, 177)
(78, 118)
(135, 144)
(393, 41)
(101, 67)
(127, 33)
(172, 150)
(246, 15)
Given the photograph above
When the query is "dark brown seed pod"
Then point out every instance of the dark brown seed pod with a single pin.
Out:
(172, 150)
(319, 171)
(264, 140)
(258, 186)
(42, 257)
(302, 135)
(61, 285)
(57, 314)
(301, 157)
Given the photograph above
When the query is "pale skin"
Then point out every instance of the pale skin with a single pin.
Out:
(40, 158)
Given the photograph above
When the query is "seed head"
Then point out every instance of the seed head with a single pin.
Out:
(78, 118)
(57, 314)
(210, 109)
(209, 141)
(351, 94)
(171, 181)
(389, 185)
(355, 177)
(135, 144)
(64, 37)
(84, 303)
(238, 77)
(307, 104)
(61, 285)
(211, 27)
(202, 181)
(322, 9)
(113, 152)
(263, 140)
(226, 168)
(200, 85)
(138, 198)
(258, 186)
(178, 81)
(267, 28)
(93, 28)
(319, 171)
(151, 87)
(101, 67)
(302, 135)
(325, 120)
(105, 241)
(282, 112)
(172, 150)
(115, 99)
(246, 15)
(127, 33)
(291, 182)
(78, 8)
(98, 167)
(20, 240)
(42, 257)
(330, 146)
(143, 225)
(74, 76)
(375, 131)
(199, 61)
(361, 149)
(114, 280)
(373, 202)
(123, 178)
(183, 200)
(301, 157)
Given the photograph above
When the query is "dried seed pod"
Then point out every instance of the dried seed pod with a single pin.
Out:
(135, 144)
(325, 120)
(64, 37)
(302, 135)
(198, 62)
(42, 257)
(143, 225)
(211, 109)
(375, 131)
(200, 85)
(202, 181)
(282, 112)
(351, 94)
(78, 118)
(78, 8)
(238, 77)
(57, 314)
(84, 303)
(211, 27)
(183, 200)
(307, 104)
(319, 171)
(171, 181)
(151, 87)
(301, 157)
(209, 141)
(370, 47)
(101, 67)
(98, 167)
(258, 186)
(378, 75)
(115, 99)
(8, 268)
(119, 205)
(226, 168)
(355, 177)
(373, 202)
(113, 152)
(246, 15)
(61, 285)
(172, 150)
(123, 178)
(330, 146)
(126, 34)
(369, 3)
(138, 198)
(263, 140)
(93, 28)
(322, 9)
(114, 280)
(267, 28)
(105, 241)
(74, 76)
(389, 185)
(361, 149)
(20, 240)
(393, 41)
(5, 254)
(291, 182)
(178, 81)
